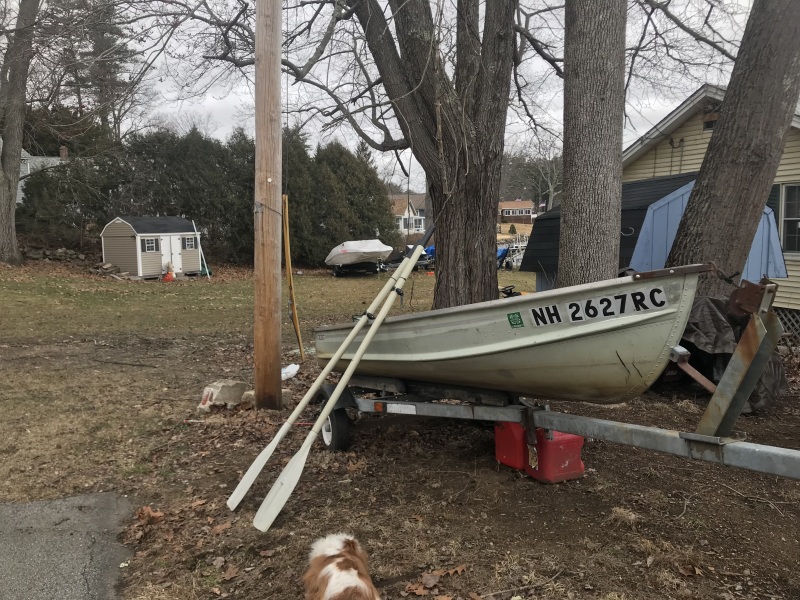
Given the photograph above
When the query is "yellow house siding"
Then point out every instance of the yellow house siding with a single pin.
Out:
(788, 295)
(789, 168)
(663, 159)
(119, 247)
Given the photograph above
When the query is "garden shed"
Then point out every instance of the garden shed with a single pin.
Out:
(144, 246)
(651, 211)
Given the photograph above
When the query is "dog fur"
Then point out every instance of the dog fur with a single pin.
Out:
(338, 570)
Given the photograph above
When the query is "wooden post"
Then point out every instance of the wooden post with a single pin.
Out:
(287, 253)
(267, 207)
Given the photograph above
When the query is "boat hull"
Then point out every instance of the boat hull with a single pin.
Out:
(602, 342)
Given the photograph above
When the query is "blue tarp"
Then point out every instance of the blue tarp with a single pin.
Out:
(661, 225)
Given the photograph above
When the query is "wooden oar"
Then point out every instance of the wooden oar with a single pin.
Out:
(287, 480)
(258, 464)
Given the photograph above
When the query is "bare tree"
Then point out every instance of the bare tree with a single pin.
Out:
(431, 76)
(739, 167)
(13, 82)
(594, 104)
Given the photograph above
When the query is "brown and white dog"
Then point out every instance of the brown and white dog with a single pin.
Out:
(338, 570)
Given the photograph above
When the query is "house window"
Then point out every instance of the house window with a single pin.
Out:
(419, 223)
(708, 125)
(791, 218)
(189, 243)
(151, 245)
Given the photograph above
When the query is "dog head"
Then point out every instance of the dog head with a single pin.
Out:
(338, 570)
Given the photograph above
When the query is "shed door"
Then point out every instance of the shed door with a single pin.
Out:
(177, 262)
(171, 252)
(166, 253)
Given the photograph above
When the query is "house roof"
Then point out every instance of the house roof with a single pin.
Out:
(541, 254)
(676, 118)
(504, 204)
(401, 201)
(146, 225)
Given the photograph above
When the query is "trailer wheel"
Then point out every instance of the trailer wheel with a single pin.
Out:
(336, 431)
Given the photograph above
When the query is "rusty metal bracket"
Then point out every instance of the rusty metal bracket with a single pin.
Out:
(747, 298)
(680, 356)
(752, 353)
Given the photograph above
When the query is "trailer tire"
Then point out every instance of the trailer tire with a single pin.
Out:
(336, 431)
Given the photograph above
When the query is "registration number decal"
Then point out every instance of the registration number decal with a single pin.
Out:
(599, 308)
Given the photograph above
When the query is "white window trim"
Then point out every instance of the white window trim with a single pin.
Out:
(147, 242)
(793, 253)
(190, 243)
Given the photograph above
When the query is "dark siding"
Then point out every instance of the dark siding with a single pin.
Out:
(774, 202)
(541, 255)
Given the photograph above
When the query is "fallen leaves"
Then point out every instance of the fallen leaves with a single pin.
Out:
(429, 581)
(231, 572)
(417, 588)
(221, 527)
(147, 516)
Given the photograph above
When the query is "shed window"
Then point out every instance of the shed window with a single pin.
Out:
(151, 245)
(791, 218)
(188, 243)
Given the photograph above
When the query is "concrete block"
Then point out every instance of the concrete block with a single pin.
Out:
(249, 397)
(225, 392)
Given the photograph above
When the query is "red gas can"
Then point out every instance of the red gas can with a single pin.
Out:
(510, 447)
(556, 457)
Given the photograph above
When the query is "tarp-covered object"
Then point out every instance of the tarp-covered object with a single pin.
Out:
(350, 253)
(711, 336)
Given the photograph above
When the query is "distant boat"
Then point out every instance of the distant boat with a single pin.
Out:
(359, 251)
(360, 256)
(601, 342)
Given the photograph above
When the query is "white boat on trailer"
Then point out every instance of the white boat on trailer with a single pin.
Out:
(360, 256)
(601, 342)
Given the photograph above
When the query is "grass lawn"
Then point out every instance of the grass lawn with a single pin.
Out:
(101, 380)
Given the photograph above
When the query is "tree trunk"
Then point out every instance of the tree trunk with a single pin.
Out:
(457, 126)
(17, 60)
(594, 103)
(466, 236)
(739, 168)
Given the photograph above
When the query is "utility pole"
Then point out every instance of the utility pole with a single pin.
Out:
(267, 207)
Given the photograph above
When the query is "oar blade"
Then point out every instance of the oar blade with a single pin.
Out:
(282, 488)
(255, 469)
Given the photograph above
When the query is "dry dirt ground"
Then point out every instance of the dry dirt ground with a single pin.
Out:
(100, 383)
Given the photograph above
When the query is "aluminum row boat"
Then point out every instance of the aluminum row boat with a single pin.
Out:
(602, 342)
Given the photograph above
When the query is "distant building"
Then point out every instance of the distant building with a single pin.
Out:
(516, 211)
(30, 164)
(409, 212)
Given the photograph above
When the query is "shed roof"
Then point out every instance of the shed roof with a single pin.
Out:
(541, 254)
(146, 225)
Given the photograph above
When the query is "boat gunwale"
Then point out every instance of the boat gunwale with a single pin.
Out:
(467, 308)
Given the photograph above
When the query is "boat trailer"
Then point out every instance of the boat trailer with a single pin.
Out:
(528, 431)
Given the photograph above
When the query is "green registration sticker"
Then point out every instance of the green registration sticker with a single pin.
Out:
(515, 320)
